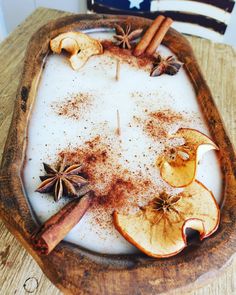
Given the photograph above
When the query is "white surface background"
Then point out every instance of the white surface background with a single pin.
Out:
(13, 12)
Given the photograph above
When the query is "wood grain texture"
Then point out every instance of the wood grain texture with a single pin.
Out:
(217, 63)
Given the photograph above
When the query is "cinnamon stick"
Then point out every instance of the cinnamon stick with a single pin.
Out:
(156, 41)
(59, 225)
(147, 37)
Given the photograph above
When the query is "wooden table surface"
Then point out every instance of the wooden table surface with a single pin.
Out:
(19, 273)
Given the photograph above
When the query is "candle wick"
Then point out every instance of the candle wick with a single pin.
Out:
(117, 69)
(118, 130)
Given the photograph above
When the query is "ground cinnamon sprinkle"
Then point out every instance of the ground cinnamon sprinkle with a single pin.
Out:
(154, 129)
(145, 62)
(167, 116)
(116, 193)
(75, 106)
(157, 124)
(115, 186)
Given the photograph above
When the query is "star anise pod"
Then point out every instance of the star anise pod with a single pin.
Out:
(169, 66)
(124, 35)
(62, 181)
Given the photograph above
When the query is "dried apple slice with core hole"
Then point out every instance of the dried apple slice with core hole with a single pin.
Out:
(178, 165)
(70, 45)
(158, 229)
(79, 45)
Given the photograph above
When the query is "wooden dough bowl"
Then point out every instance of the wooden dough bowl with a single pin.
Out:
(79, 271)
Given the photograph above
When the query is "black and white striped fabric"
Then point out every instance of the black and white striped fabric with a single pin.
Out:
(204, 18)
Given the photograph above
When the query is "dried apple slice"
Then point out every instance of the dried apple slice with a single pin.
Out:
(159, 229)
(79, 45)
(179, 163)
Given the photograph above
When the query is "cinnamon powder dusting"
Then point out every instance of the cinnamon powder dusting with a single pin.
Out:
(157, 124)
(115, 187)
(125, 55)
(166, 116)
(75, 106)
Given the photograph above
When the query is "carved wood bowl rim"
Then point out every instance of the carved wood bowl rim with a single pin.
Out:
(82, 269)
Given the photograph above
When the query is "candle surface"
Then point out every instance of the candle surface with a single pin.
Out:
(78, 113)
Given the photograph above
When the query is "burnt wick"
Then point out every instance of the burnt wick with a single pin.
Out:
(118, 130)
(117, 70)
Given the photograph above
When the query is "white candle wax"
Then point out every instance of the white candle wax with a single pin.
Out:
(129, 157)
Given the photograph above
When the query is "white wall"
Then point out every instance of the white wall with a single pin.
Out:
(13, 12)
(3, 29)
(230, 35)
(16, 11)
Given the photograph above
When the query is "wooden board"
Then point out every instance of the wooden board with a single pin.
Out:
(167, 40)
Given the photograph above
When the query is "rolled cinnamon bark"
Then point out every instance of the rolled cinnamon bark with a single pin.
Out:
(160, 34)
(59, 225)
(147, 37)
